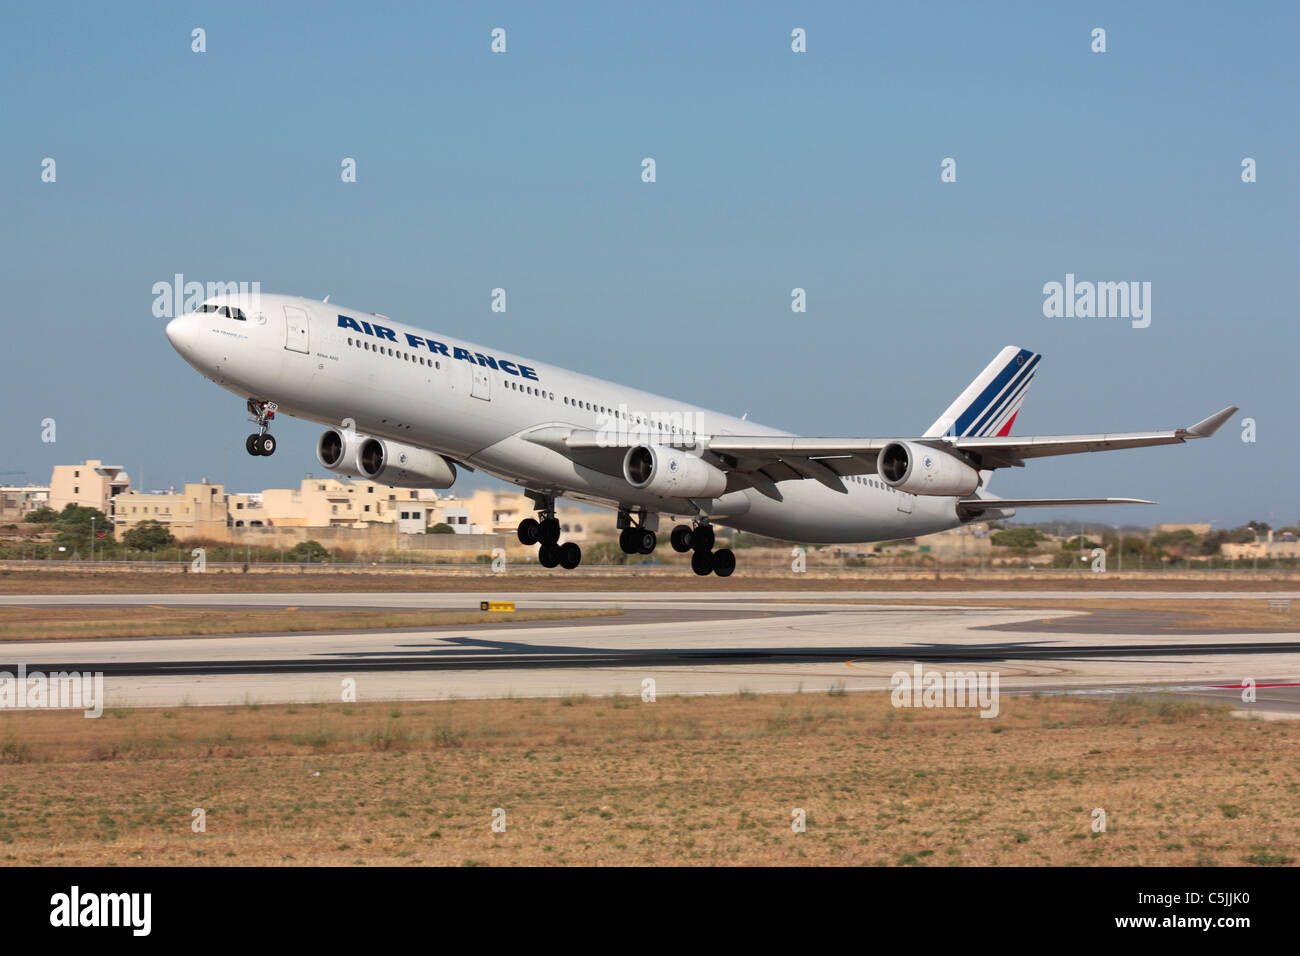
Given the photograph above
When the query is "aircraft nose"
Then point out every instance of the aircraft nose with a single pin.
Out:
(181, 333)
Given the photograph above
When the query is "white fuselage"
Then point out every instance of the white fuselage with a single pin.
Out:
(473, 404)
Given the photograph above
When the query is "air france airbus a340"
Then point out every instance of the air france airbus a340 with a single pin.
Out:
(405, 407)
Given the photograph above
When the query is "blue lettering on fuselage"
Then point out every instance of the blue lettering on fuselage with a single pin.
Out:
(416, 342)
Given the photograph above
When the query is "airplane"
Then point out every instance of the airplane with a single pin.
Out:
(407, 408)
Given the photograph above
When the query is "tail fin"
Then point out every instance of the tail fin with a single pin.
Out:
(989, 404)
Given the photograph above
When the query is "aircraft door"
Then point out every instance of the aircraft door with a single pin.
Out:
(296, 334)
(482, 384)
(905, 502)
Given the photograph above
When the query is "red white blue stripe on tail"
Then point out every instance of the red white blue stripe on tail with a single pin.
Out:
(989, 404)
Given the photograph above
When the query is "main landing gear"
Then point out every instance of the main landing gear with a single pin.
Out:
(705, 560)
(262, 413)
(546, 532)
(636, 538)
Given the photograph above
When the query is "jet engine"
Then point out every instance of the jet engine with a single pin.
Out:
(672, 473)
(919, 470)
(403, 466)
(339, 451)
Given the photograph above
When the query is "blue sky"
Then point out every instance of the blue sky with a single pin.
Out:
(775, 170)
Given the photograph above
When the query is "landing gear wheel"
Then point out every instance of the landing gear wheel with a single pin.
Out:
(570, 555)
(645, 541)
(702, 563)
(267, 445)
(680, 539)
(549, 531)
(251, 444)
(724, 562)
(627, 541)
(702, 537)
(528, 531)
(548, 555)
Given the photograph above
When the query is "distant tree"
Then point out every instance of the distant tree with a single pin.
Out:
(309, 551)
(1019, 538)
(1213, 542)
(42, 515)
(1079, 543)
(441, 528)
(1183, 542)
(78, 519)
(148, 535)
(73, 527)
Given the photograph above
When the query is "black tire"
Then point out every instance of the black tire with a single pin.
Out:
(548, 555)
(549, 531)
(646, 541)
(702, 563)
(251, 443)
(267, 445)
(724, 562)
(626, 543)
(702, 537)
(680, 539)
(527, 531)
(570, 555)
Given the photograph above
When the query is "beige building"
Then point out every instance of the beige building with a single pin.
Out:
(199, 511)
(16, 501)
(499, 512)
(92, 484)
(1200, 530)
(1268, 547)
(343, 502)
(206, 510)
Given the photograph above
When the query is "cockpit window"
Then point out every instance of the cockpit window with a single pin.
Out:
(206, 307)
(230, 312)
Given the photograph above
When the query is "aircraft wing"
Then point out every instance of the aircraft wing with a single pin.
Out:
(857, 455)
(997, 504)
(760, 461)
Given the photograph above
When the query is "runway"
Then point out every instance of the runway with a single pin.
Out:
(685, 643)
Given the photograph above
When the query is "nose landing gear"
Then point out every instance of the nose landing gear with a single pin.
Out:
(261, 414)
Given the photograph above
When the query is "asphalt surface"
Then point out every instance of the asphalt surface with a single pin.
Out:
(686, 643)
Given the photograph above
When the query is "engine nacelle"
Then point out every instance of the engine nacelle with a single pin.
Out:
(339, 451)
(919, 470)
(672, 473)
(403, 466)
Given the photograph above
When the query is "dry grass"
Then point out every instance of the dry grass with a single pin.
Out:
(70, 578)
(617, 781)
(63, 623)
